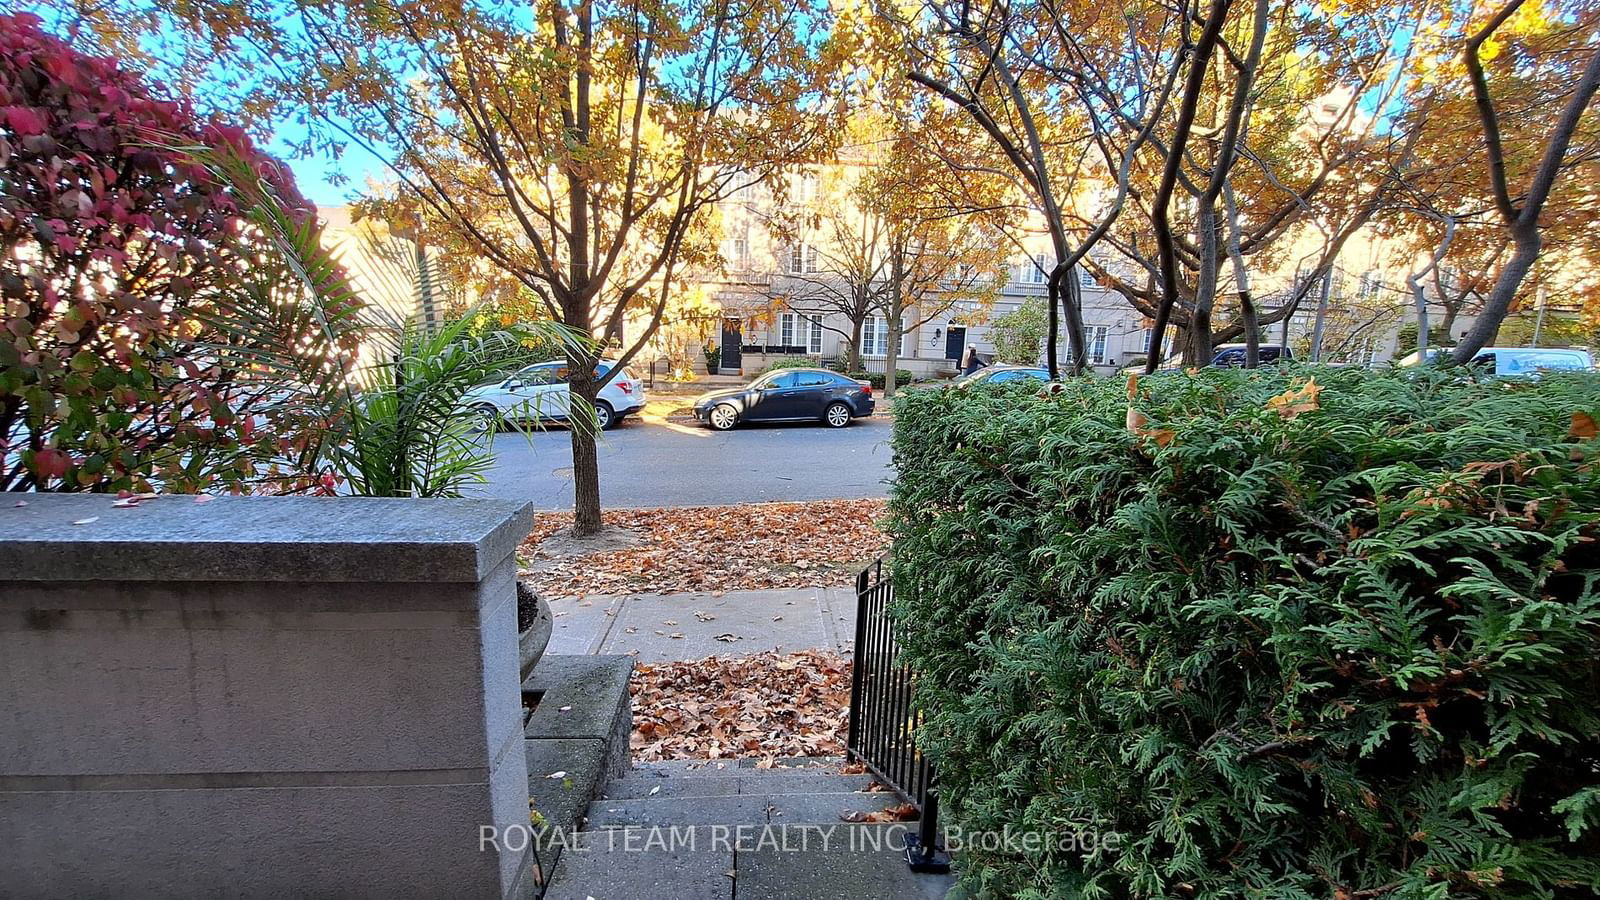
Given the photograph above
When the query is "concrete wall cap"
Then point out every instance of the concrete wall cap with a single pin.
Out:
(83, 537)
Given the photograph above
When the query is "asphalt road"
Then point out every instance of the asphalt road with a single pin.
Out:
(656, 463)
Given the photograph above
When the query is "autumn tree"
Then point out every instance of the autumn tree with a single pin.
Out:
(1499, 197)
(575, 147)
(125, 264)
(1267, 160)
(943, 246)
(994, 64)
(830, 254)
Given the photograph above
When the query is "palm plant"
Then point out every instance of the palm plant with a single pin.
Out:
(393, 425)
(411, 434)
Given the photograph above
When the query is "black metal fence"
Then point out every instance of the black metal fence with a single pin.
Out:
(884, 718)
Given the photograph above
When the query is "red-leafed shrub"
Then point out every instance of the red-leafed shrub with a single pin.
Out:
(116, 371)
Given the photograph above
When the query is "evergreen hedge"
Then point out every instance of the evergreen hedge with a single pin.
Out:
(1280, 644)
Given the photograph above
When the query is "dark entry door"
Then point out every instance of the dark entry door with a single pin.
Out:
(955, 342)
(732, 342)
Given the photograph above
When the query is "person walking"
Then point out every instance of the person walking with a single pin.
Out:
(970, 362)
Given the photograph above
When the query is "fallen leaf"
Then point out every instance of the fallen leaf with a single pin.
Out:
(655, 790)
(727, 637)
(1295, 401)
(203, 498)
(565, 709)
(1583, 427)
(560, 774)
(87, 521)
(21, 503)
(711, 549)
(905, 812)
(764, 706)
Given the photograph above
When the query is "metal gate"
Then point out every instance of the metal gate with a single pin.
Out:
(884, 718)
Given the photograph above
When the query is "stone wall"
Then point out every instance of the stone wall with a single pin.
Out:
(259, 696)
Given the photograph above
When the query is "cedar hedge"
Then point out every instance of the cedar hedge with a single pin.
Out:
(1275, 644)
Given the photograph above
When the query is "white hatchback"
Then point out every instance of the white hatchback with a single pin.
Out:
(540, 392)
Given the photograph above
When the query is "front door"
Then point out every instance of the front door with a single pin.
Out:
(732, 341)
(955, 342)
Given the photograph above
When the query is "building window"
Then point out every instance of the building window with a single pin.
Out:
(1369, 288)
(1098, 335)
(807, 192)
(875, 337)
(795, 330)
(1085, 279)
(741, 253)
(803, 259)
(1033, 271)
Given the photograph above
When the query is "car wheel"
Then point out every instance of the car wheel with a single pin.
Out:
(605, 415)
(837, 415)
(723, 417)
(491, 418)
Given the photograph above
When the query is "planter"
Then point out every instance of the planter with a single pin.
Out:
(533, 624)
(712, 370)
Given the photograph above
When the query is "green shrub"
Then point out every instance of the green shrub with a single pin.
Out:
(879, 379)
(1354, 652)
(1019, 335)
(790, 362)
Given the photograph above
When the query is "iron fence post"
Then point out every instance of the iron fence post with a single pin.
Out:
(852, 741)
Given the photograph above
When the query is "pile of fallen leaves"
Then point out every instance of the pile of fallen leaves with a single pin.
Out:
(766, 706)
(711, 548)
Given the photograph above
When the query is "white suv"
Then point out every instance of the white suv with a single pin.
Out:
(540, 392)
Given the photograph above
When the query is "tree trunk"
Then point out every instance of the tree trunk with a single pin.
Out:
(891, 353)
(1419, 302)
(1447, 323)
(1527, 242)
(852, 358)
(1319, 327)
(585, 459)
(1198, 352)
(1241, 283)
(1196, 337)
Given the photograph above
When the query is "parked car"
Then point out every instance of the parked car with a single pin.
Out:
(1003, 374)
(1231, 356)
(1517, 361)
(540, 392)
(788, 395)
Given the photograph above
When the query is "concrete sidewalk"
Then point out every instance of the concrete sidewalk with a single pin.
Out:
(663, 627)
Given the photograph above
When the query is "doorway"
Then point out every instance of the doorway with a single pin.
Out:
(732, 343)
(955, 342)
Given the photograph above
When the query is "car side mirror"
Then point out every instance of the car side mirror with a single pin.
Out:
(512, 385)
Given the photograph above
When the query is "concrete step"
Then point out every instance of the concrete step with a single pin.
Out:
(664, 785)
(762, 808)
(576, 741)
(861, 862)
(805, 765)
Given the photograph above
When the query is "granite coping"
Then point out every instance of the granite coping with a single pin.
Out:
(84, 537)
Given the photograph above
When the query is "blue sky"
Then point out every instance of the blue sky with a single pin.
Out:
(311, 174)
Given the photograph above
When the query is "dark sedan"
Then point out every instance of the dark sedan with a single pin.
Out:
(787, 395)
